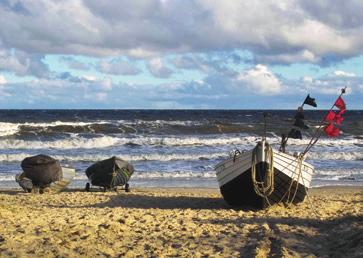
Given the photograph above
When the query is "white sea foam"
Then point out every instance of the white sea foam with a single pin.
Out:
(349, 155)
(80, 175)
(242, 142)
(17, 157)
(8, 177)
(7, 129)
(137, 157)
(179, 174)
(161, 122)
(73, 142)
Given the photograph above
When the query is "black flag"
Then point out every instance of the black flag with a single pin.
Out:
(310, 101)
(295, 134)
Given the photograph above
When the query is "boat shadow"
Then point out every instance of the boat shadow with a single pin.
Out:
(141, 201)
(11, 191)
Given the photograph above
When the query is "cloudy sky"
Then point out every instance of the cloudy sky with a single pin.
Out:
(179, 53)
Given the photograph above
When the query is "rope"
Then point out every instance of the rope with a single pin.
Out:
(113, 176)
(299, 174)
(310, 202)
(262, 188)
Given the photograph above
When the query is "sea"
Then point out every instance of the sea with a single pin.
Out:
(172, 148)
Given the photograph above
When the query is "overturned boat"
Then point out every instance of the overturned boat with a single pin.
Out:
(109, 174)
(263, 176)
(43, 173)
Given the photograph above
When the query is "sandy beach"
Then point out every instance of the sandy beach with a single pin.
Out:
(162, 222)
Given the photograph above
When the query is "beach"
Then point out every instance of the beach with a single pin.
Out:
(184, 222)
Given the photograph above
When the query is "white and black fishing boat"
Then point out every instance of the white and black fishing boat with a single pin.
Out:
(263, 176)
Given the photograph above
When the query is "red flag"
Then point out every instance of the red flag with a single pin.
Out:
(330, 116)
(339, 103)
(339, 118)
(331, 131)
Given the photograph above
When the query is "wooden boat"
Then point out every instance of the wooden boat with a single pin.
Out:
(263, 176)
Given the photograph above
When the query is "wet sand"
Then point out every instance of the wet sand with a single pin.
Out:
(178, 222)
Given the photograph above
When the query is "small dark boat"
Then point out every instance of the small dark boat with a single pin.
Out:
(43, 173)
(109, 174)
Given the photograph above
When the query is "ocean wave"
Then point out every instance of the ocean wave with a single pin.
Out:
(73, 142)
(349, 155)
(76, 141)
(18, 157)
(98, 126)
(339, 175)
(71, 157)
(7, 177)
(7, 129)
(159, 174)
(79, 142)
(140, 175)
(179, 174)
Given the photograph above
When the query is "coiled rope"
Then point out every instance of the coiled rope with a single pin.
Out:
(266, 187)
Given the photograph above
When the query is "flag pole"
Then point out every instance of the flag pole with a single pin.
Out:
(317, 133)
(284, 141)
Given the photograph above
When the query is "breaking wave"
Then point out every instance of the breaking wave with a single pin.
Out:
(18, 157)
(76, 141)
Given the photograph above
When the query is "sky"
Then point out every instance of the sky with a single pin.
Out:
(179, 54)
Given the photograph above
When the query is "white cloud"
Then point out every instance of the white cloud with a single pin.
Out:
(307, 79)
(2, 80)
(261, 80)
(90, 78)
(250, 90)
(329, 85)
(283, 31)
(22, 64)
(158, 69)
(288, 58)
(343, 74)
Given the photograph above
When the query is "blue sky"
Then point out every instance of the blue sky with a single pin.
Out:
(179, 53)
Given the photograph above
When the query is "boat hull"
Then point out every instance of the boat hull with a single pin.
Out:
(291, 179)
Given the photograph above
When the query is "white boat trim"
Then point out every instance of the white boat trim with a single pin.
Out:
(287, 164)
